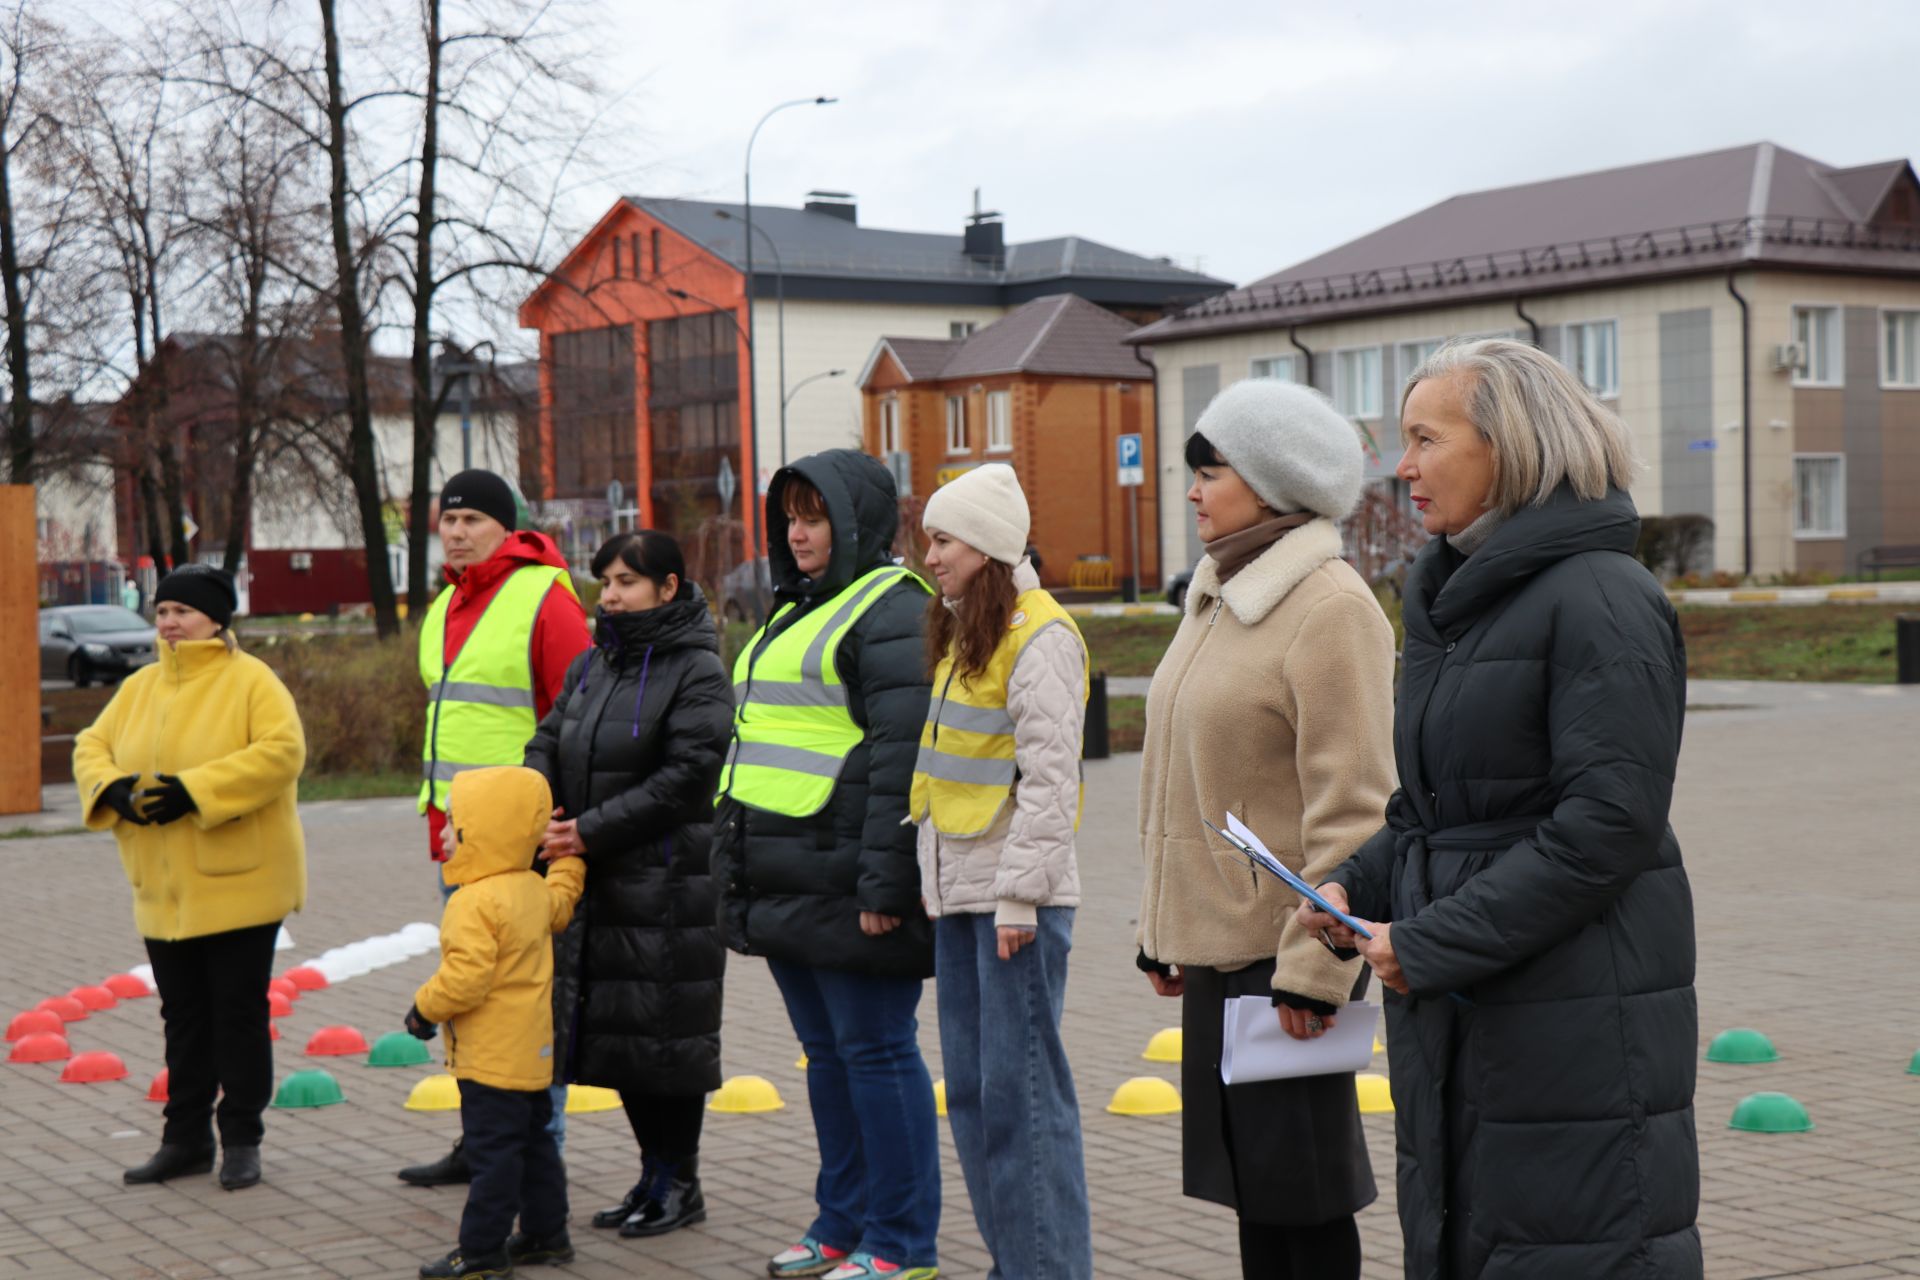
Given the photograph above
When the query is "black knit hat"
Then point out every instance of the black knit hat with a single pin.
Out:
(202, 587)
(482, 491)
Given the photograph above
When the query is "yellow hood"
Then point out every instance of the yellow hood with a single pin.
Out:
(499, 817)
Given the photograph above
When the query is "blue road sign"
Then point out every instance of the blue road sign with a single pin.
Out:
(1128, 447)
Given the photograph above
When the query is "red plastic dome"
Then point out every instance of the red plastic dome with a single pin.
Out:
(66, 1007)
(273, 1031)
(285, 988)
(94, 999)
(95, 1067)
(306, 977)
(31, 1022)
(157, 1091)
(332, 1042)
(127, 986)
(41, 1046)
(278, 1006)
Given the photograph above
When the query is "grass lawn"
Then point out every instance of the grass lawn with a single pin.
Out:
(359, 786)
(1834, 643)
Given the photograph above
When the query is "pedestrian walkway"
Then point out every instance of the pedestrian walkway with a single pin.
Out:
(1796, 808)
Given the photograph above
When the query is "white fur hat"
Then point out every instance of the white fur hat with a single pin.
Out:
(985, 509)
(1288, 443)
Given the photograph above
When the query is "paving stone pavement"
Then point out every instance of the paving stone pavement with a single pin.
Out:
(1798, 810)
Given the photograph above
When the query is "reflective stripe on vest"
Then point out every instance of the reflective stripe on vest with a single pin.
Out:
(792, 729)
(966, 768)
(481, 712)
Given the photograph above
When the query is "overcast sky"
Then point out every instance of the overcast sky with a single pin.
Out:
(1239, 137)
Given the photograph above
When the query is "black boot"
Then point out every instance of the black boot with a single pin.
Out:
(530, 1251)
(612, 1217)
(456, 1266)
(172, 1160)
(675, 1203)
(239, 1167)
(449, 1170)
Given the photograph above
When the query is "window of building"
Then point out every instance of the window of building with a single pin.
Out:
(1900, 348)
(1408, 355)
(1283, 368)
(1356, 382)
(960, 328)
(1819, 495)
(957, 425)
(890, 426)
(1817, 330)
(999, 422)
(1593, 353)
(633, 250)
(616, 257)
(656, 251)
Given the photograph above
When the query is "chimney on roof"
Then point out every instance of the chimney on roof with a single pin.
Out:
(835, 204)
(985, 239)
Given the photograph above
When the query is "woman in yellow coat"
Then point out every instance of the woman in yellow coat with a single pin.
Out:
(194, 767)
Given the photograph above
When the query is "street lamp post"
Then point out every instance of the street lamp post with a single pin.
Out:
(780, 313)
(753, 400)
(750, 494)
(831, 373)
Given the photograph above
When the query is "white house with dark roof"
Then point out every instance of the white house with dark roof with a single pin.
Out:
(1753, 314)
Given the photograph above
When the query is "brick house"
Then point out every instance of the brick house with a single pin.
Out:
(1048, 389)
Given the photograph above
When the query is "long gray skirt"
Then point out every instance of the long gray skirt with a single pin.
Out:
(1288, 1153)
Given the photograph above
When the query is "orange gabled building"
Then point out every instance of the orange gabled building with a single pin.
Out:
(645, 371)
(1048, 390)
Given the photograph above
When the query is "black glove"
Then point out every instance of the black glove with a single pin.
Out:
(1146, 965)
(168, 802)
(418, 1027)
(1305, 1003)
(119, 797)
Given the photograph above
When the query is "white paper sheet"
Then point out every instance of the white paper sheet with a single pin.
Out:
(1254, 1047)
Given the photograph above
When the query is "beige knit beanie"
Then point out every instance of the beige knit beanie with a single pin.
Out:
(985, 509)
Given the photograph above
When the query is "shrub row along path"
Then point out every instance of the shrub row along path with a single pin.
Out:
(1797, 809)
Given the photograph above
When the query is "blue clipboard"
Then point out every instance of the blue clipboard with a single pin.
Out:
(1265, 860)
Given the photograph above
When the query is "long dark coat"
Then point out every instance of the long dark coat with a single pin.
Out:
(1543, 1066)
(632, 749)
(793, 889)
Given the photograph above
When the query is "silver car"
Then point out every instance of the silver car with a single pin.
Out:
(88, 642)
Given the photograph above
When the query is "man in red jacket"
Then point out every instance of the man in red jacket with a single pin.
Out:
(494, 652)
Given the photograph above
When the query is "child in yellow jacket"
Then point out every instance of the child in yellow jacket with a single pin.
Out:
(494, 992)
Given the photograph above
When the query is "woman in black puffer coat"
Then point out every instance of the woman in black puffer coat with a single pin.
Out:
(1534, 926)
(632, 750)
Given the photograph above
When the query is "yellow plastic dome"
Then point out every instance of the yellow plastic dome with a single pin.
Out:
(1166, 1045)
(1145, 1096)
(801, 1065)
(1376, 1095)
(746, 1096)
(586, 1098)
(940, 1097)
(435, 1093)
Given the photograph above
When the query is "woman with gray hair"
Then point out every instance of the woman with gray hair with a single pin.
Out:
(1274, 703)
(1528, 910)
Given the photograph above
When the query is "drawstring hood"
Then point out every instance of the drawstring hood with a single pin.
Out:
(646, 665)
(624, 640)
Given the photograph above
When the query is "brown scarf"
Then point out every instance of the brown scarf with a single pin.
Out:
(1236, 551)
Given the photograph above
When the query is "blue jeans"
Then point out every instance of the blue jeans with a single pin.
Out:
(557, 1091)
(879, 1184)
(1000, 1040)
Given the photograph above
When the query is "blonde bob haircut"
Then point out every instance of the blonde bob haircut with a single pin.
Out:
(1545, 428)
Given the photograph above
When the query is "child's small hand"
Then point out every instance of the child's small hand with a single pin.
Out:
(562, 841)
(418, 1027)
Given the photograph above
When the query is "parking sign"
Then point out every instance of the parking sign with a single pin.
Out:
(1130, 460)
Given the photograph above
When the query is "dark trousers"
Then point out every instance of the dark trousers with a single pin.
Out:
(1326, 1251)
(213, 1004)
(516, 1167)
(667, 1128)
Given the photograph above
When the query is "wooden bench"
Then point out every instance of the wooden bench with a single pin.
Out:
(1874, 559)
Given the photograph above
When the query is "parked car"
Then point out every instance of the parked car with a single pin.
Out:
(88, 642)
(1177, 588)
(737, 590)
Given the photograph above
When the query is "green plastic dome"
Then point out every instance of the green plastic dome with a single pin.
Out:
(1770, 1113)
(1913, 1068)
(1742, 1044)
(398, 1049)
(308, 1089)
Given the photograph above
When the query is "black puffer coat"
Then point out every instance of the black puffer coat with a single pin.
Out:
(1545, 1116)
(793, 888)
(632, 750)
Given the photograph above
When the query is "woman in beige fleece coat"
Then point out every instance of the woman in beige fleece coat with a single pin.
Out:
(1273, 703)
(996, 792)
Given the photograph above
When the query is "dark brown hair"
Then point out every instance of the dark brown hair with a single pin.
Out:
(972, 628)
(801, 501)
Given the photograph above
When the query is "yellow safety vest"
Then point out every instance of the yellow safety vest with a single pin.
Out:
(791, 726)
(966, 771)
(481, 712)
